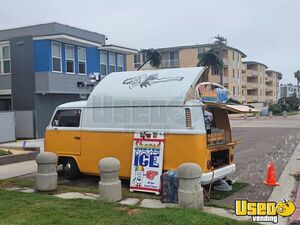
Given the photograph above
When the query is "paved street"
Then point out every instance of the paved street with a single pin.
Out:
(263, 140)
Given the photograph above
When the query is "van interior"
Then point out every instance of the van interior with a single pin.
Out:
(218, 135)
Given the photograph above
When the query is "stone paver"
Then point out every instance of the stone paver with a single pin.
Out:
(27, 190)
(76, 195)
(130, 201)
(225, 213)
(153, 203)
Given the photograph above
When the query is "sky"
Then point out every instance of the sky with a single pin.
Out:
(266, 31)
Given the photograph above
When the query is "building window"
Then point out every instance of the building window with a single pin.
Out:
(201, 50)
(4, 59)
(103, 63)
(233, 56)
(56, 57)
(137, 60)
(233, 90)
(215, 70)
(81, 60)
(233, 73)
(112, 62)
(70, 59)
(170, 59)
(120, 62)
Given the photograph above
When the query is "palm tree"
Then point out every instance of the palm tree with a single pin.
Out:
(152, 56)
(211, 59)
(297, 76)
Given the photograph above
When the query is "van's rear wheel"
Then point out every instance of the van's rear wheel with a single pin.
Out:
(70, 169)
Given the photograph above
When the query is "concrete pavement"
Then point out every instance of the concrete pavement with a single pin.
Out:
(287, 182)
(275, 121)
(25, 143)
(17, 169)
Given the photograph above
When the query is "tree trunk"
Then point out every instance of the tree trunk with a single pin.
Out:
(298, 86)
(144, 63)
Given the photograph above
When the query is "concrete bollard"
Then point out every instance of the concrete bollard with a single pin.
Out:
(110, 185)
(270, 114)
(284, 113)
(46, 176)
(245, 116)
(190, 191)
(257, 115)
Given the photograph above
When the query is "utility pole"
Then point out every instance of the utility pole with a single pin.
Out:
(220, 42)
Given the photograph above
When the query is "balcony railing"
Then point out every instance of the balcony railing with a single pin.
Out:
(225, 80)
(252, 98)
(251, 85)
(225, 62)
(169, 63)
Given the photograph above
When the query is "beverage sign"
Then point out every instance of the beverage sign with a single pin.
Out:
(147, 160)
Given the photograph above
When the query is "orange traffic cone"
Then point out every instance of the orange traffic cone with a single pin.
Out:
(271, 178)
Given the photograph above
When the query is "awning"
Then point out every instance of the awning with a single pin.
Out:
(233, 108)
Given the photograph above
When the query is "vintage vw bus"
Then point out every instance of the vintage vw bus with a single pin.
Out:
(81, 133)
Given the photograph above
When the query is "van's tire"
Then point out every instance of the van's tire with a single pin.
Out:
(70, 169)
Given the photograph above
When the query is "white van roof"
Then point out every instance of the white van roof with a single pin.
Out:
(77, 104)
(144, 88)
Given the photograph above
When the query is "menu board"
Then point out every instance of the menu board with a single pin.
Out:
(147, 162)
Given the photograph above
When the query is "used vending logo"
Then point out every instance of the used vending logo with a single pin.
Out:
(264, 211)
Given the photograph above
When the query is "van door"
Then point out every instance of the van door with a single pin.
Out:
(64, 134)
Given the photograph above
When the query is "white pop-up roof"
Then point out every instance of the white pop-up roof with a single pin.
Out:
(144, 88)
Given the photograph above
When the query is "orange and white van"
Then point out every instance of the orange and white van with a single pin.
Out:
(123, 103)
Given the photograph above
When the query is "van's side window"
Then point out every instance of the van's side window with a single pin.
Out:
(67, 118)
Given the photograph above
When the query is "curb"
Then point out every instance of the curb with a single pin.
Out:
(295, 218)
(29, 155)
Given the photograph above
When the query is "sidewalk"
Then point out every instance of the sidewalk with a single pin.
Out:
(28, 143)
(17, 169)
(288, 185)
(21, 168)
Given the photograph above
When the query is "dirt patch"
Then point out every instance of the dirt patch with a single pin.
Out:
(133, 212)
(130, 212)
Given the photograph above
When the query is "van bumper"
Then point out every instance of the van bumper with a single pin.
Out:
(218, 174)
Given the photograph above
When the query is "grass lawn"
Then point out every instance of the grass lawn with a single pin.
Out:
(5, 152)
(74, 187)
(293, 113)
(24, 208)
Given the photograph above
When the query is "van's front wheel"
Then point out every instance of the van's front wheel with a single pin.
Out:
(70, 169)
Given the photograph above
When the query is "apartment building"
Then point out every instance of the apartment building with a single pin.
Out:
(249, 81)
(187, 56)
(272, 86)
(43, 66)
(261, 84)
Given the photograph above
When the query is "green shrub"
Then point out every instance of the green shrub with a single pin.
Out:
(284, 107)
(5, 152)
(275, 108)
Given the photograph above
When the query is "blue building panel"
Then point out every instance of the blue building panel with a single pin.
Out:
(42, 55)
(76, 59)
(63, 57)
(93, 60)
